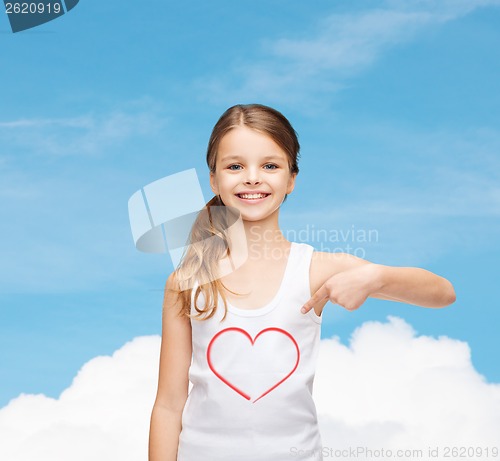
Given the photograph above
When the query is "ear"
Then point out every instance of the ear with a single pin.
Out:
(213, 184)
(291, 183)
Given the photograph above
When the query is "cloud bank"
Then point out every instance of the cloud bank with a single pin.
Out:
(391, 388)
(388, 389)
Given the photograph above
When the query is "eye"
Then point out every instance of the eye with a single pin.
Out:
(273, 165)
(230, 167)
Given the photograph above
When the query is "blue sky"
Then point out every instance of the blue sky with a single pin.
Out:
(396, 105)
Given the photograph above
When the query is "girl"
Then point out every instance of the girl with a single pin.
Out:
(251, 358)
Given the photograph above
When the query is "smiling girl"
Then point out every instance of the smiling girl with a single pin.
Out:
(248, 338)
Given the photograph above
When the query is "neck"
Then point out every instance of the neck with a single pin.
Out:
(256, 240)
(253, 242)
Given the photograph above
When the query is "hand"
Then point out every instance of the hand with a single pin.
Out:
(348, 289)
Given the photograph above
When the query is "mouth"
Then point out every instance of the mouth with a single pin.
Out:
(252, 198)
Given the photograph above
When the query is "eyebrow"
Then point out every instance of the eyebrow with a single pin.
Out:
(238, 157)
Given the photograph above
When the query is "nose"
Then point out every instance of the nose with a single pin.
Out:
(252, 176)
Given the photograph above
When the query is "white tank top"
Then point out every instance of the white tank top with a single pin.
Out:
(252, 377)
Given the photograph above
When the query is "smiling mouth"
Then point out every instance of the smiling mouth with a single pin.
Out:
(252, 196)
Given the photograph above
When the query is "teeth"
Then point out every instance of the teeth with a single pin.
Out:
(252, 196)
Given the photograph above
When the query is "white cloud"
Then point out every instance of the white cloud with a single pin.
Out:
(86, 134)
(72, 176)
(103, 415)
(388, 389)
(444, 9)
(391, 388)
(296, 70)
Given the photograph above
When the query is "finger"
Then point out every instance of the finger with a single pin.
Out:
(322, 293)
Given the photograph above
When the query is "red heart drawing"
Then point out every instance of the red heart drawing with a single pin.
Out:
(252, 341)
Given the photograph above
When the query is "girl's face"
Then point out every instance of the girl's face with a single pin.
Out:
(249, 162)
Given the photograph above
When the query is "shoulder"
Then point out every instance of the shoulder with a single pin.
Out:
(176, 298)
(172, 284)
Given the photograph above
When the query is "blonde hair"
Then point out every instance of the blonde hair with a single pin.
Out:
(207, 242)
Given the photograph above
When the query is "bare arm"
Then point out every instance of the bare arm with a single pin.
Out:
(173, 380)
(348, 280)
(413, 285)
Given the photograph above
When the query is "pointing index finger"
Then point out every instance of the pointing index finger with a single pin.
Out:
(322, 293)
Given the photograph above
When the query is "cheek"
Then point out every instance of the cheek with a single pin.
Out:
(280, 181)
(228, 181)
